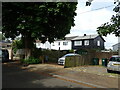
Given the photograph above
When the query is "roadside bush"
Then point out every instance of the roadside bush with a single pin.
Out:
(36, 53)
(53, 55)
(31, 60)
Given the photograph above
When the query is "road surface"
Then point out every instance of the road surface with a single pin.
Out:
(14, 77)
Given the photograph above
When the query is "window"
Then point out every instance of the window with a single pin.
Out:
(38, 44)
(59, 43)
(78, 43)
(98, 43)
(65, 43)
(86, 42)
(53, 44)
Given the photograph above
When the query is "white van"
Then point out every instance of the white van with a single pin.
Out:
(114, 64)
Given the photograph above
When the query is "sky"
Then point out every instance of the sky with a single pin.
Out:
(88, 19)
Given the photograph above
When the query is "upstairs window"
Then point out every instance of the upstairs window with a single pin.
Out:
(53, 44)
(58, 43)
(86, 42)
(98, 43)
(78, 43)
(39, 44)
(65, 43)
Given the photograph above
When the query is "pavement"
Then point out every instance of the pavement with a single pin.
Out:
(87, 76)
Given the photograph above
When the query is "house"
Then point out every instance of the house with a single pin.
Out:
(88, 42)
(57, 44)
(45, 45)
(74, 42)
(7, 45)
(116, 47)
(62, 44)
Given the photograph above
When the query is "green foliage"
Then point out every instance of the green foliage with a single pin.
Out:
(37, 20)
(71, 51)
(53, 20)
(2, 37)
(31, 60)
(17, 44)
(36, 53)
(53, 55)
(113, 26)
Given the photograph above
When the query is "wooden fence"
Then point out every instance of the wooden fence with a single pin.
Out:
(73, 61)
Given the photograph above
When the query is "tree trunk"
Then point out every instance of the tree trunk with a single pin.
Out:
(28, 46)
(27, 53)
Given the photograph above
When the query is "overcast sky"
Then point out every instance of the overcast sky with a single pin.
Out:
(88, 19)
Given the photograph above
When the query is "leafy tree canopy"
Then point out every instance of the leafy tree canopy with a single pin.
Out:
(37, 20)
(2, 37)
(114, 25)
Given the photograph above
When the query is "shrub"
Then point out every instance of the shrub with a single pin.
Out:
(31, 60)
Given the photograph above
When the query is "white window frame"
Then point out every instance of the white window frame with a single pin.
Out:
(86, 42)
(65, 43)
(77, 43)
(98, 43)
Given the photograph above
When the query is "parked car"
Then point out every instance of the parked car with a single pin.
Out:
(61, 61)
(114, 64)
(4, 55)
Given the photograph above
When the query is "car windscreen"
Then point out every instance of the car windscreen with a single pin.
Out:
(117, 59)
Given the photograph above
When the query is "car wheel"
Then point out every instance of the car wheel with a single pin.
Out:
(109, 71)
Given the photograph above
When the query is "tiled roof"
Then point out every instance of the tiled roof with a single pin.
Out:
(85, 37)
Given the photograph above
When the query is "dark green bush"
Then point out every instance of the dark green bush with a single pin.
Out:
(36, 53)
(31, 60)
(53, 55)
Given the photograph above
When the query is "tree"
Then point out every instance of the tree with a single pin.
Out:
(17, 44)
(114, 25)
(2, 37)
(33, 20)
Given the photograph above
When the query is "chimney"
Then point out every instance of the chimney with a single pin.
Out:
(84, 34)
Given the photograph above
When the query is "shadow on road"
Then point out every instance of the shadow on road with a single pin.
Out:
(15, 77)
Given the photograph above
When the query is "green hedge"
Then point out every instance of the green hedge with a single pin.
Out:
(31, 60)
(52, 55)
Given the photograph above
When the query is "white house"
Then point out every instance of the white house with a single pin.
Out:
(57, 44)
(61, 45)
(45, 45)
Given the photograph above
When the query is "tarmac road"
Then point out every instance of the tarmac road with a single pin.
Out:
(14, 77)
(53, 76)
